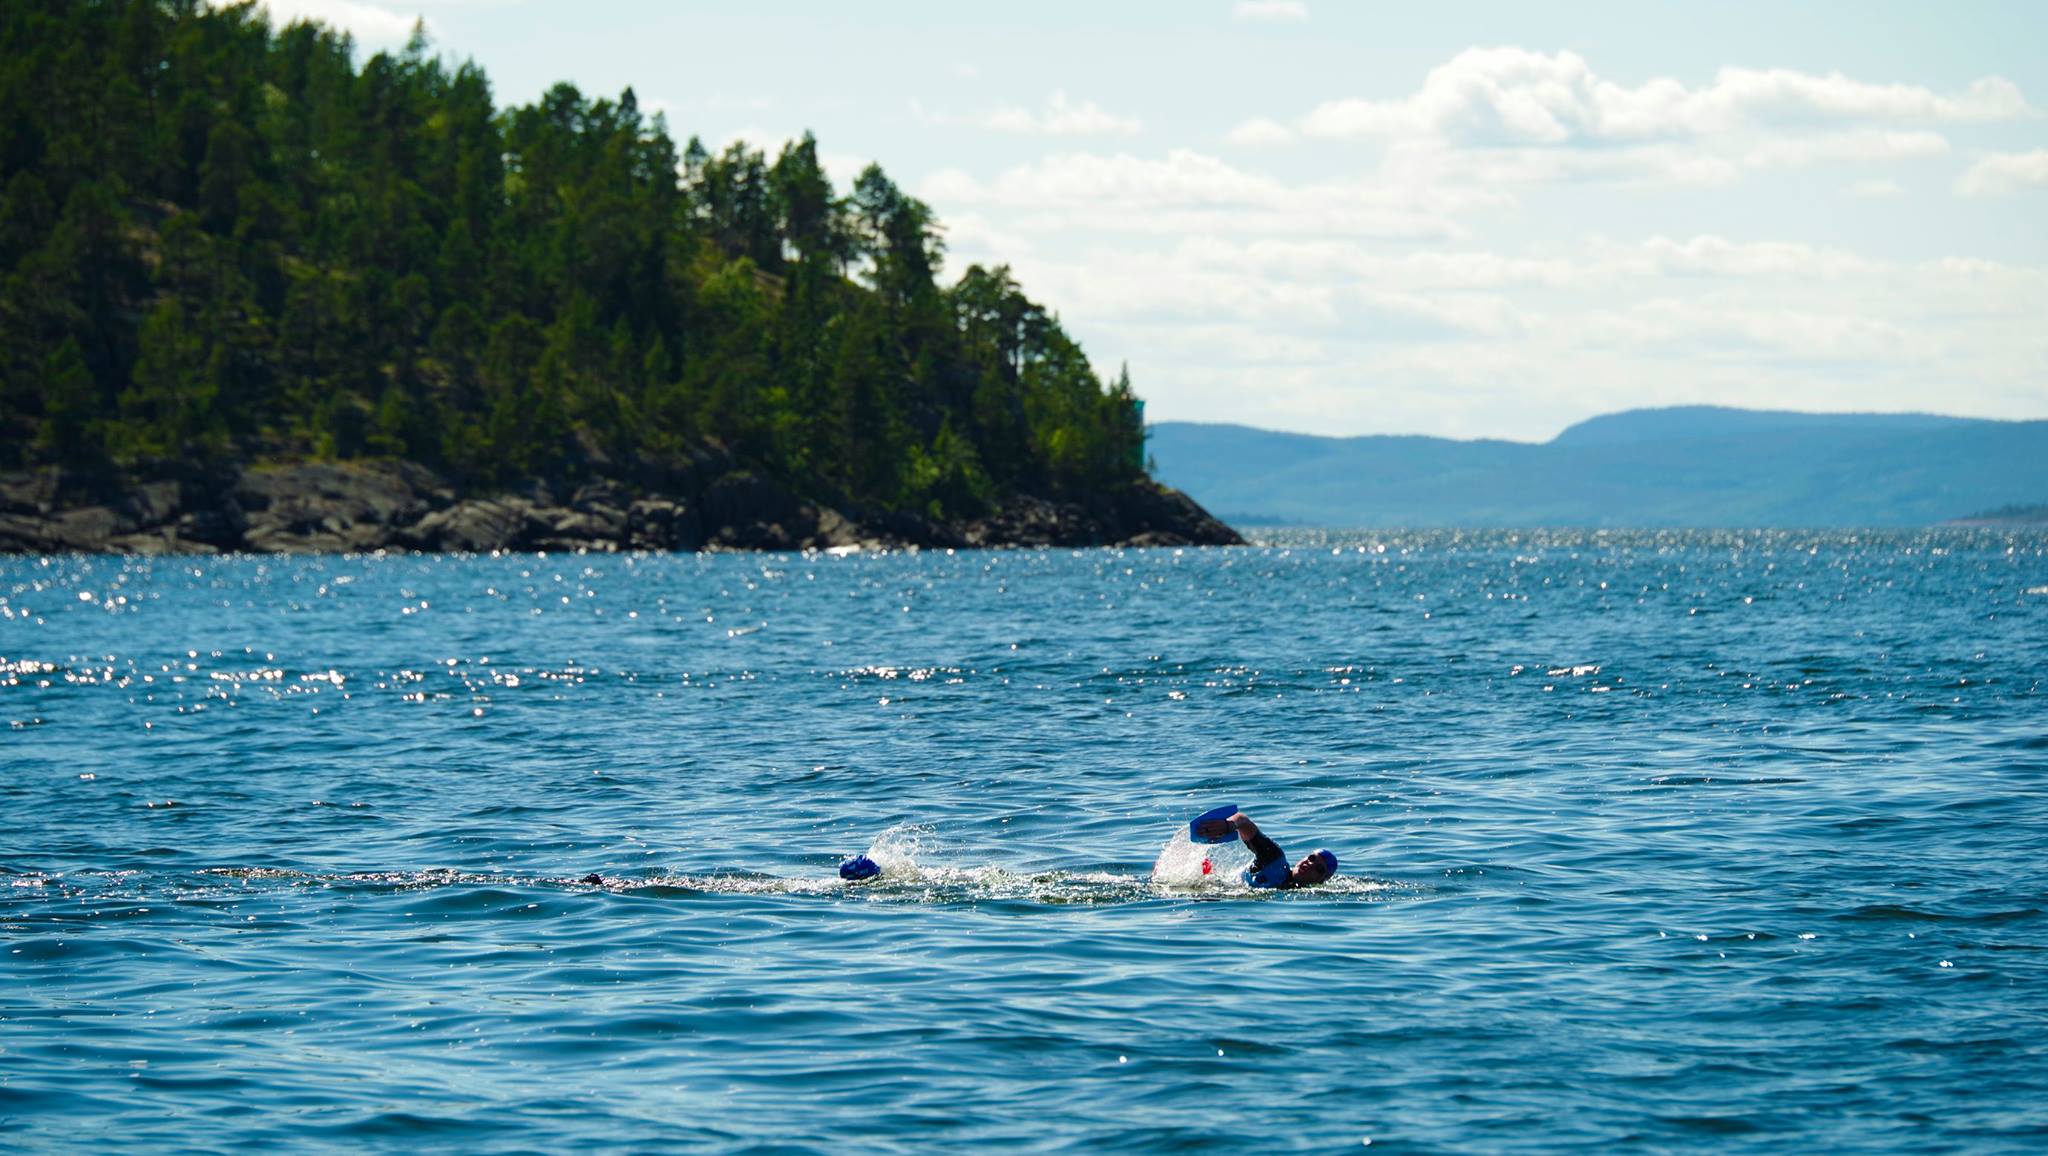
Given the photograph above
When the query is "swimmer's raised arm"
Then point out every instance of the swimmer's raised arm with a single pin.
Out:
(1264, 851)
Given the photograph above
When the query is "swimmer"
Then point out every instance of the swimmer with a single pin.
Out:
(1269, 862)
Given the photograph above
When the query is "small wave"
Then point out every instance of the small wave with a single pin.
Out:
(1897, 912)
(1714, 1125)
(1724, 780)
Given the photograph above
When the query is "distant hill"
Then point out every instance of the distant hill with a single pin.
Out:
(1683, 466)
(1693, 422)
(2006, 517)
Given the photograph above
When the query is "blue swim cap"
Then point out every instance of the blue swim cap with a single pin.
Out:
(859, 867)
(1328, 857)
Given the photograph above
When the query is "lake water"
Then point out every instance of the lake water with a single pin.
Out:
(1675, 838)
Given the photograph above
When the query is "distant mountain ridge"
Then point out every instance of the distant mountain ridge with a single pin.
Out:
(1706, 466)
(1691, 422)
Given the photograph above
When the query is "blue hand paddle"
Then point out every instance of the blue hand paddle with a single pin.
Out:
(1218, 815)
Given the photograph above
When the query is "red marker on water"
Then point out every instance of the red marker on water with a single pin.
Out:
(1205, 866)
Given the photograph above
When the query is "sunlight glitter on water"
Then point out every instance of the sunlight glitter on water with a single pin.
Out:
(1550, 762)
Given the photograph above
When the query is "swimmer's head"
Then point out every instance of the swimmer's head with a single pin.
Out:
(859, 867)
(1314, 868)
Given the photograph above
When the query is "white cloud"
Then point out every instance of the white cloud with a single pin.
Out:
(1721, 257)
(1598, 265)
(1187, 192)
(1182, 177)
(1507, 118)
(1357, 334)
(1516, 96)
(1860, 145)
(843, 168)
(1260, 131)
(1064, 119)
(2002, 173)
(371, 24)
(1381, 289)
(1270, 11)
(972, 239)
(1122, 288)
(1434, 165)
(1483, 314)
(1060, 117)
(1783, 93)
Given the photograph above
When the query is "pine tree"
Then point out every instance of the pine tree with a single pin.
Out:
(169, 409)
(71, 407)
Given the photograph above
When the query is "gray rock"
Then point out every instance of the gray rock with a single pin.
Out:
(154, 503)
(32, 492)
(680, 502)
(25, 534)
(663, 524)
(88, 530)
(222, 527)
(601, 493)
(160, 540)
(321, 506)
(481, 525)
(1164, 516)
(599, 522)
(744, 511)
(833, 530)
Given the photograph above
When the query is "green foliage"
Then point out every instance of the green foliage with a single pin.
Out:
(71, 406)
(220, 239)
(170, 407)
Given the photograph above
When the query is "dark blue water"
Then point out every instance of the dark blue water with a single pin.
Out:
(1679, 839)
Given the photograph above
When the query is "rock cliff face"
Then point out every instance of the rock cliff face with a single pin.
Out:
(705, 504)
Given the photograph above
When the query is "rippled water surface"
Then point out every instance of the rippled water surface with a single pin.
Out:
(1679, 839)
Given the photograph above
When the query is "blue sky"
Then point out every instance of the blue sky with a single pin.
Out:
(1468, 220)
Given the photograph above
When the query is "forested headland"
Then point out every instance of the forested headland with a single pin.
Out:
(229, 251)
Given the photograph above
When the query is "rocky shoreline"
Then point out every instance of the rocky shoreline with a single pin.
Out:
(366, 506)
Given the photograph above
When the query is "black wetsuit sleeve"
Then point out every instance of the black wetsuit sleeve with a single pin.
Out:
(1263, 850)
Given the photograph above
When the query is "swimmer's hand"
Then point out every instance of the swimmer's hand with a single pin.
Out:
(1214, 830)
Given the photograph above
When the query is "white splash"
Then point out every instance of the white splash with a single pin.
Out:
(897, 850)
(1181, 862)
